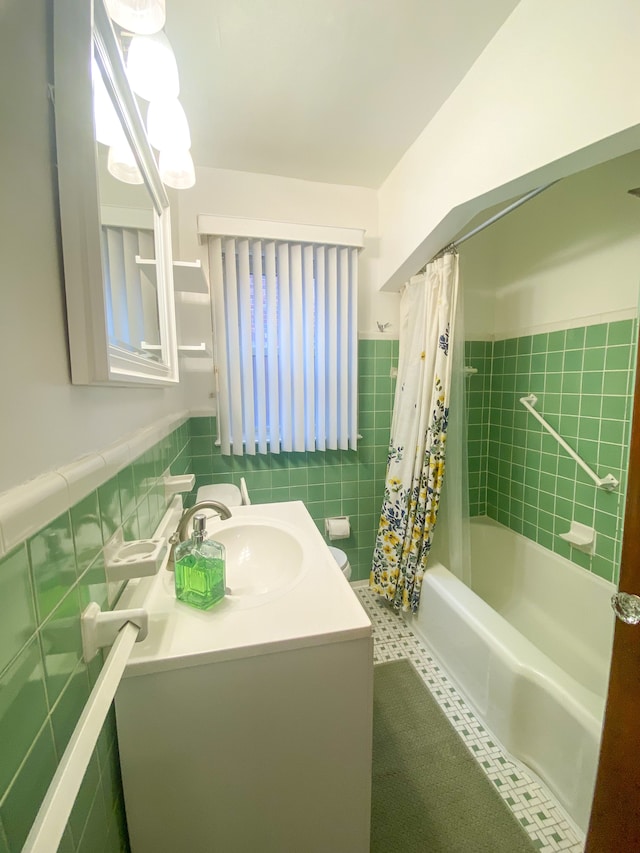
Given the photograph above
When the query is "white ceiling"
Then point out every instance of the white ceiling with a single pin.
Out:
(324, 90)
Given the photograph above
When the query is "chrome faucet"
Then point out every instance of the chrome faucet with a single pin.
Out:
(179, 534)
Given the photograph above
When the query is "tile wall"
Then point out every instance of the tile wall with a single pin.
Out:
(45, 583)
(518, 474)
(330, 483)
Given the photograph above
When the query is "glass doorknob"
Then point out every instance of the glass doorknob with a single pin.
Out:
(626, 607)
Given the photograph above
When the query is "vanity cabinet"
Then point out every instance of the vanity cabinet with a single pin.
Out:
(248, 727)
(266, 753)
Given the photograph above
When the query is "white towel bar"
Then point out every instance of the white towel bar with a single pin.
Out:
(49, 825)
(51, 820)
(608, 483)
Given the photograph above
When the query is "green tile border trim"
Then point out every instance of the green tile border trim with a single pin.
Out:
(29, 507)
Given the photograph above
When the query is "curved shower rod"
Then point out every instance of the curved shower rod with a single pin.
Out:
(608, 483)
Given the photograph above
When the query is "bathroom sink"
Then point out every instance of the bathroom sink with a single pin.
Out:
(261, 557)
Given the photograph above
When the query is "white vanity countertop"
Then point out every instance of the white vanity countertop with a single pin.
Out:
(319, 608)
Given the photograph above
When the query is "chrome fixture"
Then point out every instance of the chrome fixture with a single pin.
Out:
(179, 534)
(626, 606)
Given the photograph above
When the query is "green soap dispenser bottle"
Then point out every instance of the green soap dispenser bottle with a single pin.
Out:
(200, 568)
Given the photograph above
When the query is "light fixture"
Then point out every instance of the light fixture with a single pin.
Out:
(143, 17)
(122, 164)
(176, 169)
(167, 125)
(152, 68)
(108, 129)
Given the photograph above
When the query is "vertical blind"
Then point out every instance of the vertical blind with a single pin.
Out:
(285, 327)
(131, 297)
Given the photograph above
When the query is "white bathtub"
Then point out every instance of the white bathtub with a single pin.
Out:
(530, 649)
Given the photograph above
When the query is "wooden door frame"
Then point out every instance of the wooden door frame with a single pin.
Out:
(615, 816)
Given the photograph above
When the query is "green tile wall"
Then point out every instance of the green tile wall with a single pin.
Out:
(478, 400)
(46, 582)
(519, 475)
(330, 483)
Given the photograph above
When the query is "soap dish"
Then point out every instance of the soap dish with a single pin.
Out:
(581, 537)
(137, 559)
(178, 484)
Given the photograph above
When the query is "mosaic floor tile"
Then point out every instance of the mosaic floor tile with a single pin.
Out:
(535, 808)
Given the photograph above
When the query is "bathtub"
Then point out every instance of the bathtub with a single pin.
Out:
(529, 647)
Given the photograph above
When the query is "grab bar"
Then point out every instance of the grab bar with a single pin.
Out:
(47, 829)
(608, 483)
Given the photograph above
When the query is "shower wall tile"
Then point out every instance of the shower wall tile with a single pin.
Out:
(518, 474)
(46, 582)
(330, 483)
(478, 399)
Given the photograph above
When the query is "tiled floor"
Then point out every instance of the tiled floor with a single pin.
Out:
(530, 802)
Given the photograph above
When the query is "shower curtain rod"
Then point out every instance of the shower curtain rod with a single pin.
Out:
(451, 247)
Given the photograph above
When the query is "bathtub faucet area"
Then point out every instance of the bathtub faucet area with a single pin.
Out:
(179, 533)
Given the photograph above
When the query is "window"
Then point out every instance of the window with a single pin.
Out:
(285, 332)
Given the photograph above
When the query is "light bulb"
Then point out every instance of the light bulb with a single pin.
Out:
(151, 67)
(176, 169)
(107, 124)
(167, 125)
(144, 17)
(122, 164)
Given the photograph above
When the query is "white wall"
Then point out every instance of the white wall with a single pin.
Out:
(269, 197)
(554, 86)
(569, 257)
(45, 422)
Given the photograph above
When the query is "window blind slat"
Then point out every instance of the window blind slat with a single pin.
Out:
(216, 272)
(246, 346)
(284, 332)
(273, 348)
(298, 377)
(135, 313)
(259, 343)
(309, 405)
(320, 325)
(353, 348)
(343, 351)
(234, 373)
(146, 249)
(115, 254)
(332, 348)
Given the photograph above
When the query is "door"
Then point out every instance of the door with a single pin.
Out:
(615, 815)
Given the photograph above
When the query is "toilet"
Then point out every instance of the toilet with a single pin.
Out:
(225, 493)
(342, 560)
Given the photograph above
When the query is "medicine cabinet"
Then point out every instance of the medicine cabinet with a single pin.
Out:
(116, 237)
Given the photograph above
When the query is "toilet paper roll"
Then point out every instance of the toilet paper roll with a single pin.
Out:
(337, 527)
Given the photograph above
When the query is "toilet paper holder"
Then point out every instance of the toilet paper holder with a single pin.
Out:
(337, 527)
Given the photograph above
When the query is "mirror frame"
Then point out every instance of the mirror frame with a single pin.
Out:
(82, 30)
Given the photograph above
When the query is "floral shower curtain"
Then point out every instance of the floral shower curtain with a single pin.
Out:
(415, 465)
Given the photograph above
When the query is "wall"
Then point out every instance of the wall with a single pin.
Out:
(330, 483)
(544, 91)
(561, 275)
(47, 578)
(46, 581)
(34, 362)
(254, 196)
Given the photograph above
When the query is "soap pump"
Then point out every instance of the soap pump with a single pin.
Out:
(200, 568)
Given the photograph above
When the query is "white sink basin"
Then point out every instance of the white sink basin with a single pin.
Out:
(262, 558)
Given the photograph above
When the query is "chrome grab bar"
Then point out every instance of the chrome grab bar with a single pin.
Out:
(608, 483)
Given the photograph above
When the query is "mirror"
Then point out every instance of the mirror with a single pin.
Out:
(116, 236)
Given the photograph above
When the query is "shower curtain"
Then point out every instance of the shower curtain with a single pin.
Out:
(415, 464)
